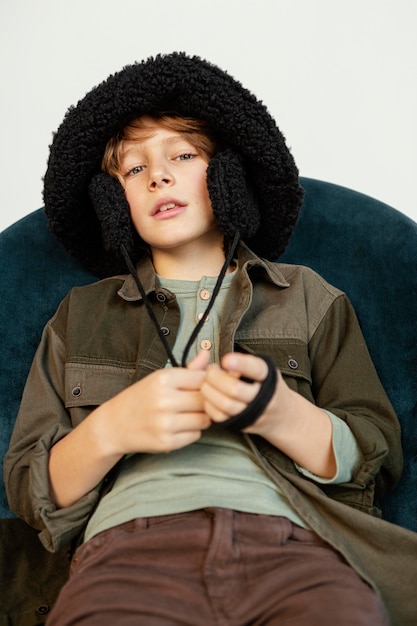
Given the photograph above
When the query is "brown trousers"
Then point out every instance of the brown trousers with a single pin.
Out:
(213, 567)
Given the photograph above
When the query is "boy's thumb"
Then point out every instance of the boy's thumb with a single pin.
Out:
(200, 362)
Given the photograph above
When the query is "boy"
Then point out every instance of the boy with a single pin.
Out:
(199, 490)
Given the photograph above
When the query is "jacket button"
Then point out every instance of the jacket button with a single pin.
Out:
(164, 330)
(160, 297)
(293, 364)
(43, 609)
(76, 391)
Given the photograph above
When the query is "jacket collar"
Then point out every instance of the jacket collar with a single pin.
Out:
(146, 273)
(246, 261)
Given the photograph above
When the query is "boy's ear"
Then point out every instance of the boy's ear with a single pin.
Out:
(232, 199)
(112, 209)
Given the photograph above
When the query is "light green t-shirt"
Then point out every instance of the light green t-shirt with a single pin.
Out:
(193, 298)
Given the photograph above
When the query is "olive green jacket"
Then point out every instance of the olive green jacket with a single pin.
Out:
(102, 340)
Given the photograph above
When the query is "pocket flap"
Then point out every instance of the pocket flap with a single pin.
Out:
(290, 355)
(91, 384)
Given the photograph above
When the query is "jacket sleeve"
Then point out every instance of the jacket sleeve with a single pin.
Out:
(345, 382)
(42, 421)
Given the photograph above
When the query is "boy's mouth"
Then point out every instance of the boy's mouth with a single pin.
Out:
(166, 207)
(167, 204)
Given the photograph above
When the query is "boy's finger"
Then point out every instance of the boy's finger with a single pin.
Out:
(245, 365)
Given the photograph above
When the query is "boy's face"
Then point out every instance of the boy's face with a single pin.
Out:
(164, 177)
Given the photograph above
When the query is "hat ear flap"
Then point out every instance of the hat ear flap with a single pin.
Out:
(232, 199)
(112, 209)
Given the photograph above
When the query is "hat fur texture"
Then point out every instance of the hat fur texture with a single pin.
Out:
(252, 182)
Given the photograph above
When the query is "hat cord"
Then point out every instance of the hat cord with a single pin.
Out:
(203, 318)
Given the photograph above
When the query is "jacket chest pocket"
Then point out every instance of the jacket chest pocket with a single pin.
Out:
(290, 356)
(89, 385)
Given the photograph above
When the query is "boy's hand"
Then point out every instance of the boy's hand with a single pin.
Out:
(160, 413)
(226, 395)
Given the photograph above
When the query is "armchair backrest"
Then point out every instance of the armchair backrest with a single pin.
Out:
(362, 246)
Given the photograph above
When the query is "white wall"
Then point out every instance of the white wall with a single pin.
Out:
(340, 78)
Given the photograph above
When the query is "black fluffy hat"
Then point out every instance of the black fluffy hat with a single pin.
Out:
(253, 182)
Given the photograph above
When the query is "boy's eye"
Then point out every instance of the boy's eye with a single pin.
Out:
(135, 170)
(186, 156)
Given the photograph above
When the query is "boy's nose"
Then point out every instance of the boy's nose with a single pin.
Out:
(160, 177)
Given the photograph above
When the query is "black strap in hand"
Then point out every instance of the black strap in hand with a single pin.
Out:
(254, 410)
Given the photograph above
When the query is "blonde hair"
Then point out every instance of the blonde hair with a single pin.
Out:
(196, 131)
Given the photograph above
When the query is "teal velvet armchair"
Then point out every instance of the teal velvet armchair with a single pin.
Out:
(362, 246)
